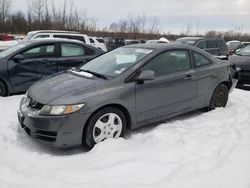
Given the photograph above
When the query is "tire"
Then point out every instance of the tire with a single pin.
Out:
(219, 97)
(106, 123)
(3, 90)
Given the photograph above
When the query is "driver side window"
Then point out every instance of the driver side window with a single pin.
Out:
(40, 51)
(169, 62)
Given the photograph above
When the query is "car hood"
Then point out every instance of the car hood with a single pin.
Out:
(48, 90)
(240, 61)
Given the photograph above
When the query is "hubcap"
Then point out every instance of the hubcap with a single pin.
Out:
(107, 126)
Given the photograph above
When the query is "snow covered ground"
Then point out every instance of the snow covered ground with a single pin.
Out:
(198, 150)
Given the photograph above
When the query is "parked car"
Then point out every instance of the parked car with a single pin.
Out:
(131, 41)
(6, 41)
(241, 59)
(214, 46)
(126, 88)
(58, 34)
(29, 61)
(233, 45)
(98, 43)
(115, 42)
(152, 41)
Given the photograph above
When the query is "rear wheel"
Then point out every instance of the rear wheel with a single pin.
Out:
(3, 90)
(106, 123)
(219, 97)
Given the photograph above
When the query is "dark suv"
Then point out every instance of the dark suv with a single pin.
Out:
(214, 46)
(115, 42)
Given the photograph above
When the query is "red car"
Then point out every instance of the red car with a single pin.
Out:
(6, 37)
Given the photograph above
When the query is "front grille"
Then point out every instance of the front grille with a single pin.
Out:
(48, 136)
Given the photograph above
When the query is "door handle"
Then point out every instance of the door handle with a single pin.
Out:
(188, 77)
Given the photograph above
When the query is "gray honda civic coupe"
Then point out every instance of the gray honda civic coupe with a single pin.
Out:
(122, 90)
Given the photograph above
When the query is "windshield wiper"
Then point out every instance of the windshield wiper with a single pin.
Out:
(94, 73)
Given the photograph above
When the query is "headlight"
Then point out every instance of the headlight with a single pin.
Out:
(60, 110)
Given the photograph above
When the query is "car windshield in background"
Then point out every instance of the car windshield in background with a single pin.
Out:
(186, 41)
(244, 51)
(100, 40)
(13, 49)
(28, 37)
(115, 62)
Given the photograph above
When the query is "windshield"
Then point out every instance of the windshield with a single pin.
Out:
(13, 49)
(29, 36)
(115, 62)
(100, 40)
(244, 51)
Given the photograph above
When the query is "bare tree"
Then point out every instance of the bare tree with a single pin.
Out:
(4, 11)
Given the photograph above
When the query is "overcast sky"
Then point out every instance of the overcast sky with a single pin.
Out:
(173, 15)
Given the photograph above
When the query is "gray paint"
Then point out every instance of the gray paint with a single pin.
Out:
(146, 102)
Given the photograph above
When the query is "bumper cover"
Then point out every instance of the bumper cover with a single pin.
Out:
(59, 131)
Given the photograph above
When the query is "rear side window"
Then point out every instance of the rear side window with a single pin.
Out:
(200, 60)
(74, 37)
(222, 43)
(71, 50)
(169, 62)
(201, 44)
(211, 44)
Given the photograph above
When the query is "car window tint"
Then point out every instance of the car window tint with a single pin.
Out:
(91, 40)
(169, 62)
(100, 40)
(42, 36)
(68, 50)
(211, 44)
(201, 44)
(40, 51)
(200, 60)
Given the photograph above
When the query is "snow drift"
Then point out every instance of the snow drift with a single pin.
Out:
(199, 149)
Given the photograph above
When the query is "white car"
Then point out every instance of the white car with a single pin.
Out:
(58, 34)
(6, 44)
(98, 42)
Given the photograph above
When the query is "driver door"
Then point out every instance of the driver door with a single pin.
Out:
(38, 62)
(172, 91)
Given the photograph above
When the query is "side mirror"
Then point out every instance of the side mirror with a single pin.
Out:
(18, 57)
(146, 75)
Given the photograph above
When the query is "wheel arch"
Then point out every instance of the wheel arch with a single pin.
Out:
(227, 83)
(6, 85)
(114, 105)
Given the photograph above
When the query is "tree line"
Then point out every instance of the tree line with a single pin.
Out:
(45, 14)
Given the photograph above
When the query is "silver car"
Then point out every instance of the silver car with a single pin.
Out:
(124, 89)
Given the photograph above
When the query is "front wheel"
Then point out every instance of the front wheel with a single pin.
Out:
(106, 123)
(219, 97)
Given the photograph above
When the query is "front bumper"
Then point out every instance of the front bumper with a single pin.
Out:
(244, 77)
(59, 131)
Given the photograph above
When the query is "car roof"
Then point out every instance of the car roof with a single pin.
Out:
(158, 46)
(198, 38)
(52, 31)
(44, 40)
